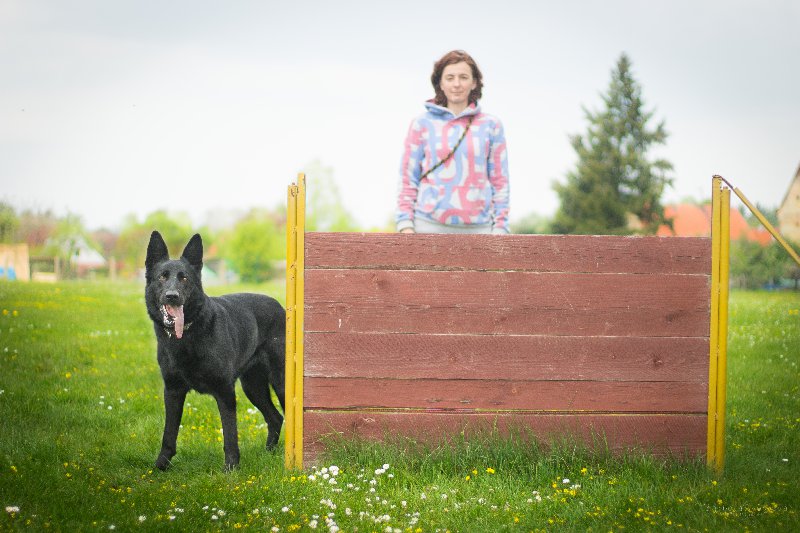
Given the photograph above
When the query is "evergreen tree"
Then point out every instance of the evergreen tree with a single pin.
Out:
(615, 188)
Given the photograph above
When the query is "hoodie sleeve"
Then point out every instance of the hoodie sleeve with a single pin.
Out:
(498, 177)
(410, 171)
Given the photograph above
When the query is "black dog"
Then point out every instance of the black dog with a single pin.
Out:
(207, 343)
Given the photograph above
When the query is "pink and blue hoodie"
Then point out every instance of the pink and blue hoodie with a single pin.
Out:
(471, 188)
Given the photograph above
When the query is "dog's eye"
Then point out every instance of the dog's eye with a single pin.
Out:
(182, 277)
(163, 277)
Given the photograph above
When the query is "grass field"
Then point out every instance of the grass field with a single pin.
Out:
(81, 419)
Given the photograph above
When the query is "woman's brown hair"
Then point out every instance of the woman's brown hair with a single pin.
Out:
(451, 58)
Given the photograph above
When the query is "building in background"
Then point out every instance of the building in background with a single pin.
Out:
(789, 211)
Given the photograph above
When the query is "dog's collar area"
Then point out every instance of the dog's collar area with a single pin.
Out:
(171, 332)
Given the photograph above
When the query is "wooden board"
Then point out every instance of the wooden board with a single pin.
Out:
(659, 434)
(510, 303)
(482, 394)
(537, 357)
(537, 253)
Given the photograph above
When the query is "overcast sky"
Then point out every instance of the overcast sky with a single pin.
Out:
(110, 108)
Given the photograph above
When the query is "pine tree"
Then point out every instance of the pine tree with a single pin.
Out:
(615, 188)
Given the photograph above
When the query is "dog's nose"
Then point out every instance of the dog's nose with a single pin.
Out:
(171, 296)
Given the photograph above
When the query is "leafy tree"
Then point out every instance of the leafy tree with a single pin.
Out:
(9, 223)
(532, 223)
(66, 240)
(36, 228)
(615, 187)
(754, 266)
(255, 245)
(131, 246)
(325, 210)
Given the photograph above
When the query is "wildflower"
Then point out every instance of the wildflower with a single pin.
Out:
(313, 524)
(565, 481)
(467, 478)
(312, 477)
(284, 509)
(490, 470)
(11, 509)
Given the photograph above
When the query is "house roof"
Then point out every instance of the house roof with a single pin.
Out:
(689, 220)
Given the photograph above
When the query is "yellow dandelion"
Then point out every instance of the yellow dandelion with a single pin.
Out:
(467, 478)
(490, 470)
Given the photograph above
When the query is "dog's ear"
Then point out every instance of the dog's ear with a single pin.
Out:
(194, 252)
(156, 251)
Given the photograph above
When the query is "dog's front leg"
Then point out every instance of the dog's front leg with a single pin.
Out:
(174, 398)
(226, 401)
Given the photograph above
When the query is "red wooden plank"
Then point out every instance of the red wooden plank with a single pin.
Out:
(659, 434)
(539, 253)
(506, 303)
(521, 357)
(464, 394)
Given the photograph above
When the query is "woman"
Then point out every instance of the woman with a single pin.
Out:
(454, 170)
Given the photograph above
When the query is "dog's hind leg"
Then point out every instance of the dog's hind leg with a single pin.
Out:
(174, 398)
(255, 384)
(226, 402)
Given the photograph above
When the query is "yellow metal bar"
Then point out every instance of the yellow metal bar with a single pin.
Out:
(722, 343)
(764, 222)
(299, 320)
(713, 342)
(291, 281)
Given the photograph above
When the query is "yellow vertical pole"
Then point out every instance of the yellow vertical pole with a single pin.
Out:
(722, 343)
(711, 441)
(299, 320)
(295, 263)
(291, 283)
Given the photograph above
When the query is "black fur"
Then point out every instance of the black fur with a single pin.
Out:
(236, 336)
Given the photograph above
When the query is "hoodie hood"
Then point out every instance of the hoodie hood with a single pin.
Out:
(432, 107)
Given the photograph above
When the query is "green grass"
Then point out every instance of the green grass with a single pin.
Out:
(81, 420)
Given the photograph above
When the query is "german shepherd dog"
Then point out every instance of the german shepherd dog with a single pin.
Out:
(207, 343)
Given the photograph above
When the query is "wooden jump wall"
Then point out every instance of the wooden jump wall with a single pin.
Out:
(601, 338)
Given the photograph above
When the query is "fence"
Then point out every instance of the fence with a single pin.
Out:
(610, 340)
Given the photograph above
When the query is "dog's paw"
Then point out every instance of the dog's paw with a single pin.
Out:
(162, 463)
(230, 467)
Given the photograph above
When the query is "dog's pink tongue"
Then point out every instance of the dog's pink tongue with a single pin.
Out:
(177, 313)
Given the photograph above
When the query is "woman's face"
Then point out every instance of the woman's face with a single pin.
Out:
(457, 82)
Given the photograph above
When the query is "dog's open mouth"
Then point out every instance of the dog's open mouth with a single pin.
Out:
(173, 317)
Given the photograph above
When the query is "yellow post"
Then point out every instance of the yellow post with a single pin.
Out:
(722, 342)
(711, 441)
(299, 321)
(291, 280)
(295, 260)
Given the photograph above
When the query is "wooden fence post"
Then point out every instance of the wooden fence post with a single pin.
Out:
(295, 242)
(718, 339)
